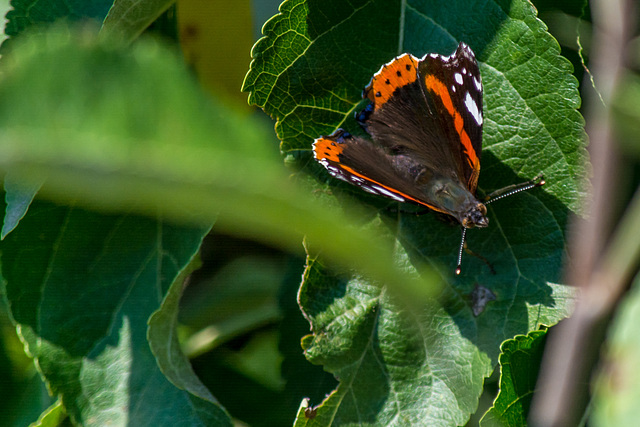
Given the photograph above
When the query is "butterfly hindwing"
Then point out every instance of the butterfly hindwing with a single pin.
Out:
(361, 163)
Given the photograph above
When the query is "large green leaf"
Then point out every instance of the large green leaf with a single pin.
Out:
(308, 72)
(81, 287)
(396, 366)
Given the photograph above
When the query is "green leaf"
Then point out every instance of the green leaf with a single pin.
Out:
(52, 417)
(617, 384)
(308, 72)
(626, 112)
(163, 341)
(519, 365)
(81, 287)
(129, 18)
(428, 360)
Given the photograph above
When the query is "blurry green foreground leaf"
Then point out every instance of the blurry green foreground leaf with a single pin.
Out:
(120, 129)
(617, 384)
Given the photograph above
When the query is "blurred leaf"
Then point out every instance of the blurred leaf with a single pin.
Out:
(626, 112)
(31, 13)
(260, 360)
(99, 129)
(24, 15)
(519, 365)
(308, 73)
(81, 287)
(52, 417)
(617, 384)
(243, 285)
(240, 298)
(129, 18)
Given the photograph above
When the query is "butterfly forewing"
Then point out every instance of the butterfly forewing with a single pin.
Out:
(454, 86)
(358, 162)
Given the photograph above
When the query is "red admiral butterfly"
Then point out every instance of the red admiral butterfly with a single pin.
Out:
(425, 119)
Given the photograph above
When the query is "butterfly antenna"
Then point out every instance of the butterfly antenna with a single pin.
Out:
(459, 267)
(514, 189)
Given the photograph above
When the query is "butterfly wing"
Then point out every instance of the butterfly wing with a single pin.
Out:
(431, 109)
(361, 163)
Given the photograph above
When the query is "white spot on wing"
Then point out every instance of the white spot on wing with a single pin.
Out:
(458, 78)
(478, 83)
(369, 189)
(472, 108)
(385, 192)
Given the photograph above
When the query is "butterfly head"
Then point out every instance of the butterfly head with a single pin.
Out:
(475, 216)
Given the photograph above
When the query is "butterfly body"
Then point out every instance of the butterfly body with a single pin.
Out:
(425, 143)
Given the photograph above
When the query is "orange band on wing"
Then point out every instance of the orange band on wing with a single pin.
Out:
(399, 72)
(438, 88)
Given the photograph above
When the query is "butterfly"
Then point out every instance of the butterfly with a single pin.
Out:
(424, 119)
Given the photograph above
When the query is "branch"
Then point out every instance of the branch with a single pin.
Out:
(601, 275)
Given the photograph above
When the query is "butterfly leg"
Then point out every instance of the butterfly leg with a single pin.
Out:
(481, 258)
(463, 247)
